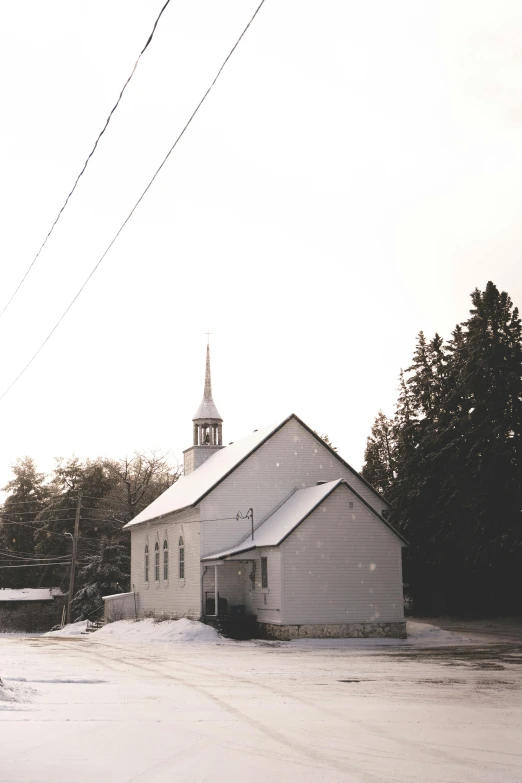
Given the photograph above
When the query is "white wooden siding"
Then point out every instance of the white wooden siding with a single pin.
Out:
(266, 602)
(290, 459)
(174, 597)
(341, 565)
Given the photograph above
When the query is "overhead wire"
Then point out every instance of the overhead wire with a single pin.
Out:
(14, 556)
(136, 205)
(89, 156)
(56, 501)
(35, 565)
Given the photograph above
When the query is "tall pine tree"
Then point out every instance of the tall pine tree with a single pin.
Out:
(457, 464)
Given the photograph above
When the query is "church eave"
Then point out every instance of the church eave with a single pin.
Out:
(175, 513)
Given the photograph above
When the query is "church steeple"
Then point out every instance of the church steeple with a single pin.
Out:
(207, 410)
(207, 427)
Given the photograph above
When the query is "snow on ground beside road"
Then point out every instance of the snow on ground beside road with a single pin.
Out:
(13, 693)
(6, 694)
(432, 634)
(73, 629)
(183, 630)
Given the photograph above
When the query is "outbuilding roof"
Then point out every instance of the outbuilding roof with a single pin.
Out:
(191, 489)
(29, 593)
(278, 526)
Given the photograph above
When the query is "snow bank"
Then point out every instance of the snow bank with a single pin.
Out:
(6, 694)
(73, 629)
(426, 633)
(183, 630)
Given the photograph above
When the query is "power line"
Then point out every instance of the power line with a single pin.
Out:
(55, 502)
(38, 527)
(13, 556)
(89, 156)
(41, 529)
(136, 205)
(34, 515)
(35, 565)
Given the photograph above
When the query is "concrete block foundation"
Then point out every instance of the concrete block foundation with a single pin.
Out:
(396, 630)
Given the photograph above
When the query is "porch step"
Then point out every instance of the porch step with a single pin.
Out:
(94, 625)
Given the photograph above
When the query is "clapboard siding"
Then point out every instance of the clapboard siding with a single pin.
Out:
(266, 602)
(174, 597)
(341, 565)
(290, 459)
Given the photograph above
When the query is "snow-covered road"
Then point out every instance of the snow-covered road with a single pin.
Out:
(102, 710)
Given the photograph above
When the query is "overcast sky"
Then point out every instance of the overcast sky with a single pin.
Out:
(354, 175)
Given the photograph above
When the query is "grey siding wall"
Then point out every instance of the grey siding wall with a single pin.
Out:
(173, 596)
(266, 602)
(291, 459)
(122, 607)
(341, 565)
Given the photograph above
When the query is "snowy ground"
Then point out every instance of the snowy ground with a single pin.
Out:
(118, 706)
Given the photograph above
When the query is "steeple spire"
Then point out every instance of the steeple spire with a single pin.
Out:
(207, 427)
(207, 421)
(207, 394)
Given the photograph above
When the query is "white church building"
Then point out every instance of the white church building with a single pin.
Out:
(275, 528)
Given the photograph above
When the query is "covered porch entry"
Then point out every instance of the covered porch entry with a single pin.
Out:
(226, 597)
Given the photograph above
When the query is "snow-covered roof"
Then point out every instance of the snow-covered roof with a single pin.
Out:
(189, 490)
(29, 593)
(286, 518)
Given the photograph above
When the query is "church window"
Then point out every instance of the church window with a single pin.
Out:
(264, 572)
(181, 558)
(156, 562)
(146, 562)
(165, 559)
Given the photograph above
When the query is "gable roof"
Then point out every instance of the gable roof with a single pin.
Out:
(189, 490)
(285, 519)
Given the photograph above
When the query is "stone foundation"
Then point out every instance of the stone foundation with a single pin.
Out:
(395, 630)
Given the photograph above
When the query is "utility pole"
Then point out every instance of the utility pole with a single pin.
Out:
(74, 553)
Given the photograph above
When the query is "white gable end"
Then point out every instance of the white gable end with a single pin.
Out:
(292, 458)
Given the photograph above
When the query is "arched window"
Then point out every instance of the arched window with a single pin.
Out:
(165, 559)
(146, 562)
(156, 561)
(181, 558)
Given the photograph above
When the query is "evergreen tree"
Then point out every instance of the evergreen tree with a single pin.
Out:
(104, 573)
(455, 488)
(379, 456)
(28, 494)
(57, 519)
